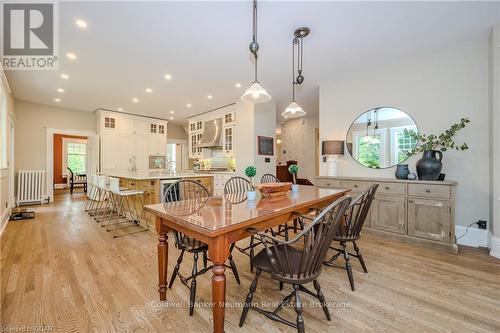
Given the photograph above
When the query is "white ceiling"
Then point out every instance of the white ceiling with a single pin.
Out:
(129, 46)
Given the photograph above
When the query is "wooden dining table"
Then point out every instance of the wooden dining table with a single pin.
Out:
(221, 221)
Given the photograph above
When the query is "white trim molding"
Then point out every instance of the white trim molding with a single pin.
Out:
(4, 219)
(495, 247)
(474, 237)
(50, 154)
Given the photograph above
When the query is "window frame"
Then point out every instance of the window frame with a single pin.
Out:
(64, 161)
(394, 144)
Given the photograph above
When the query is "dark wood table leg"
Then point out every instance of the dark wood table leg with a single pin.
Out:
(162, 258)
(218, 251)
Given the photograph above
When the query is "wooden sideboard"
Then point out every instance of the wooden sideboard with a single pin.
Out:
(415, 211)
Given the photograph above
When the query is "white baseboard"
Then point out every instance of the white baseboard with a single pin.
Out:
(4, 218)
(475, 237)
(495, 247)
(60, 186)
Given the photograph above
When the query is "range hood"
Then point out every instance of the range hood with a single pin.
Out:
(211, 136)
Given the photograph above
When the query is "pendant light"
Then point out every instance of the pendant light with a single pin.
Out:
(374, 139)
(367, 138)
(294, 110)
(255, 94)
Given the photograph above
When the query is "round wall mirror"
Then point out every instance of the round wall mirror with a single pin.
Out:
(377, 138)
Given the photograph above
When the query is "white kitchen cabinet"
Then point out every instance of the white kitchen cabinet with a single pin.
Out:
(228, 140)
(109, 153)
(220, 180)
(157, 138)
(125, 151)
(229, 118)
(126, 138)
(140, 152)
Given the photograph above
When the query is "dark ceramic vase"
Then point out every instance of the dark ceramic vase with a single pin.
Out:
(402, 171)
(429, 166)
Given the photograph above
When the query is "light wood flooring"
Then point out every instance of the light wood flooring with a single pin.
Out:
(64, 271)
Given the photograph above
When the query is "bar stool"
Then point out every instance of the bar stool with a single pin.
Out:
(90, 192)
(103, 200)
(120, 198)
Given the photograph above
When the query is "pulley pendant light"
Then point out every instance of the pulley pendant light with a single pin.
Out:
(294, 110)
(255, 94)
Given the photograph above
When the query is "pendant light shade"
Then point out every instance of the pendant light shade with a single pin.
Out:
(256, 94)
(293, 111)
(366, 139)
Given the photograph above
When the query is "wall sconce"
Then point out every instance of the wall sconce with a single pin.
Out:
(331, 150)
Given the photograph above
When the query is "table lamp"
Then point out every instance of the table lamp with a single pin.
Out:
(331, 150)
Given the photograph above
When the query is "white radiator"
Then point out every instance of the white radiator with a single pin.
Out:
(30, 186)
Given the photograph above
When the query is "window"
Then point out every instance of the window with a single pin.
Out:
(4, 119)
(403, 143)
(74, 155)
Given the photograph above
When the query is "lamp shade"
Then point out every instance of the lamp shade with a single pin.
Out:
(293, 111)
(332, 147)
(256, 94)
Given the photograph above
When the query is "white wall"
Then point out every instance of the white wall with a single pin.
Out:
(31, 122)
(298, 142)
(436, 89)
(265, 125)
(252, 121)
(176, 132)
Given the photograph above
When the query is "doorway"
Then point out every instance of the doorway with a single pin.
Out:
(51, 133)
(176, 155)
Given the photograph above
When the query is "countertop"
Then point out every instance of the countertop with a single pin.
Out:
(391, 180)
(163, 175)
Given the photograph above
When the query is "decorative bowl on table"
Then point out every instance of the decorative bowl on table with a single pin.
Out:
(270, 190)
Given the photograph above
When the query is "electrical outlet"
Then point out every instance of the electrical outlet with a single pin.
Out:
(481, 224)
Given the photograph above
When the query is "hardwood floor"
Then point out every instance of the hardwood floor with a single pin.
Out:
(64, 271)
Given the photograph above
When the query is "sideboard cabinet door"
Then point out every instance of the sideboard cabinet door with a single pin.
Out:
(388, 214)
(430, 219)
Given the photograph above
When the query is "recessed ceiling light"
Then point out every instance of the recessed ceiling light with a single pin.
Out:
(209, 96)
(188, 105)
(171, 118)
(71, 56)
(238, 85)
(120, 109)
(61, 90)
(135, 100)
(149, 90)
(65, 76)
(168, 77)
(81, 24)
(172, 111)
(57, 100)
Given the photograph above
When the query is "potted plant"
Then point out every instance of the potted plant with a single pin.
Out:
(294, 169)
(251, 172)
(432, 146)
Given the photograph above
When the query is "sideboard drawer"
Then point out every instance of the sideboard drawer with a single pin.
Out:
(427, 190)
(328, 183)
(356, 186)
(391, 188)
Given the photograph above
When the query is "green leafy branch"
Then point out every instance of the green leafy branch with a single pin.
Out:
(443, 141)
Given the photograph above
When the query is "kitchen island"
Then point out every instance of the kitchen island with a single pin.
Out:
(154, 183)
